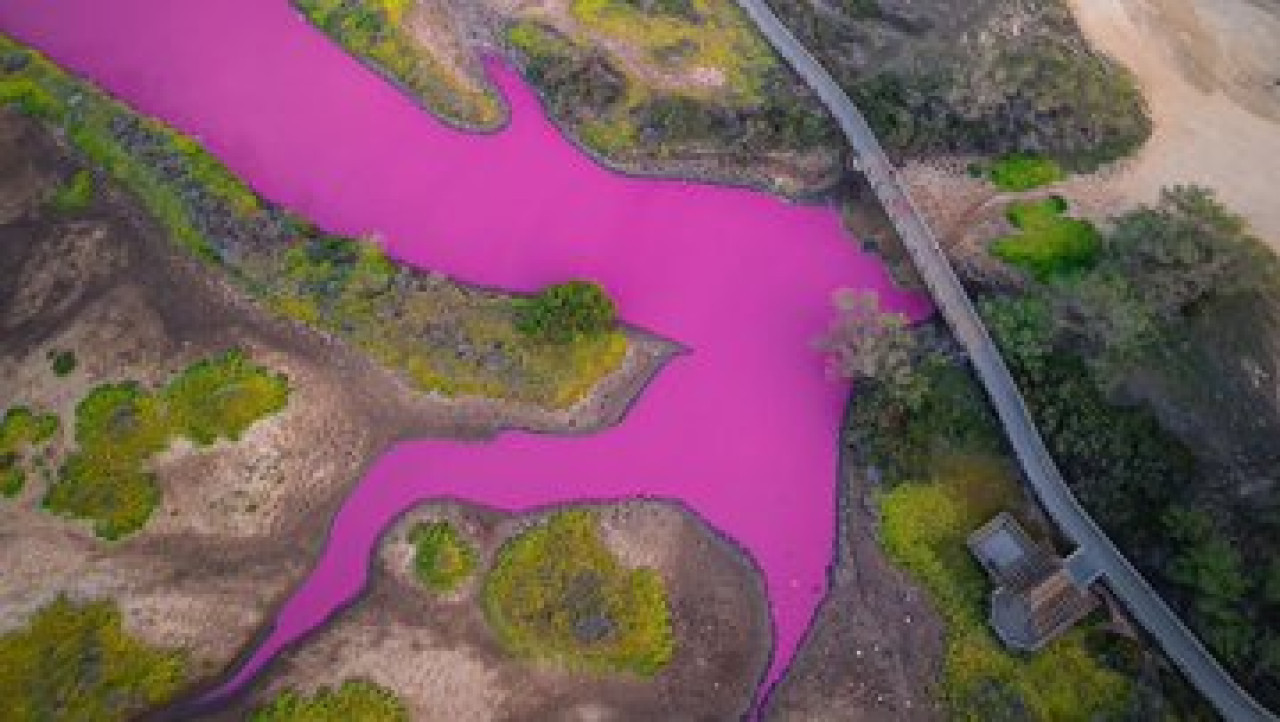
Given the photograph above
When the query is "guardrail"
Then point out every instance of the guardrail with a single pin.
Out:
(1147, 607)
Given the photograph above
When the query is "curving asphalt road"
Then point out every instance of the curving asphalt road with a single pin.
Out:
(1178, 642)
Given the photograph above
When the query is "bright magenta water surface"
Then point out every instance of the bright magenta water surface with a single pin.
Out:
(742, 429)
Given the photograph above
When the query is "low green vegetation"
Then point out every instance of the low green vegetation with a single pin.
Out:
(1111, 362)
(353, 701)
(925, 525)
(375, 31)
(939, 449)
(62, 362)
(21, 432)
(75, 196)
(615, 104)
(1048, 243)
(447, 339)
(1022, 172)
(442, 558)
(556, 592)
(567, 312)
(119, 427)
(73, 661)
(444, 338)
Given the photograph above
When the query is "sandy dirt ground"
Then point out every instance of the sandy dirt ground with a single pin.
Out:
(1210, 72)
(439, 655)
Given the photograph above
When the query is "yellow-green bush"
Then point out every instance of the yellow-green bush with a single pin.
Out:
(442, 559)
(354, 701)
(21, 430)
(925, 527)
(556, 592)
(73, 661)
(119, 427)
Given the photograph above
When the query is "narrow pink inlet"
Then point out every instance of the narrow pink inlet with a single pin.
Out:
(743, 429)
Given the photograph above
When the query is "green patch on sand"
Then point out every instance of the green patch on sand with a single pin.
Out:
(21, 431)
(556, 592)
(1048, 243)
(442, 558)
(354, 701)
(73, 661)
(1019, 172)
(121, 426)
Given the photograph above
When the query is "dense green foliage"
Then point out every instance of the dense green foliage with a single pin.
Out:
(567, 312)
(1048, 243)
(63, 363)
(925, 525)
(1085, 347)
(72, 661)
(442, 559)
(353, 701)
(443, 337)
(76, 195)
(374, 30)
(21, 431)
(1022, 172)
(556, 591)
(119, 427)
(447, 339)
(939, 451)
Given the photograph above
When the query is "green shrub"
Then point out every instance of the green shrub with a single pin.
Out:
(62, 362)
(1048, 243)
(1019, 172)
(567, 312)
(21, 430)
(220, 397)
(442, 559)
(354, 701)
(556, 592)
(73, 661)
(925, 525)
(119, 427)
(75, 196)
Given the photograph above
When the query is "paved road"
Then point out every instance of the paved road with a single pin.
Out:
(1178, 642)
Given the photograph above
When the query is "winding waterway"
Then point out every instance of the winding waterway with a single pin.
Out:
(742, 429)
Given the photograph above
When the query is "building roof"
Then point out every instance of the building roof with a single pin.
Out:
(1036, 597)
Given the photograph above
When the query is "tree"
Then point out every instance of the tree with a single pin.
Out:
(1024, 328)
(1186, 249)
(865, 343)
(567, 312)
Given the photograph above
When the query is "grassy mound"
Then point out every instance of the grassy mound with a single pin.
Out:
(556, 592)
(442, 559)
(73, 661)
(119, 427)
(21, 430)
(1048, 243)
(354, 701)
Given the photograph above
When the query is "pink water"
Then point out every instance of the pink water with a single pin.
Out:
(743, 429)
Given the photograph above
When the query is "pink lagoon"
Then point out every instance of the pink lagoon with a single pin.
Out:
(742, 429)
